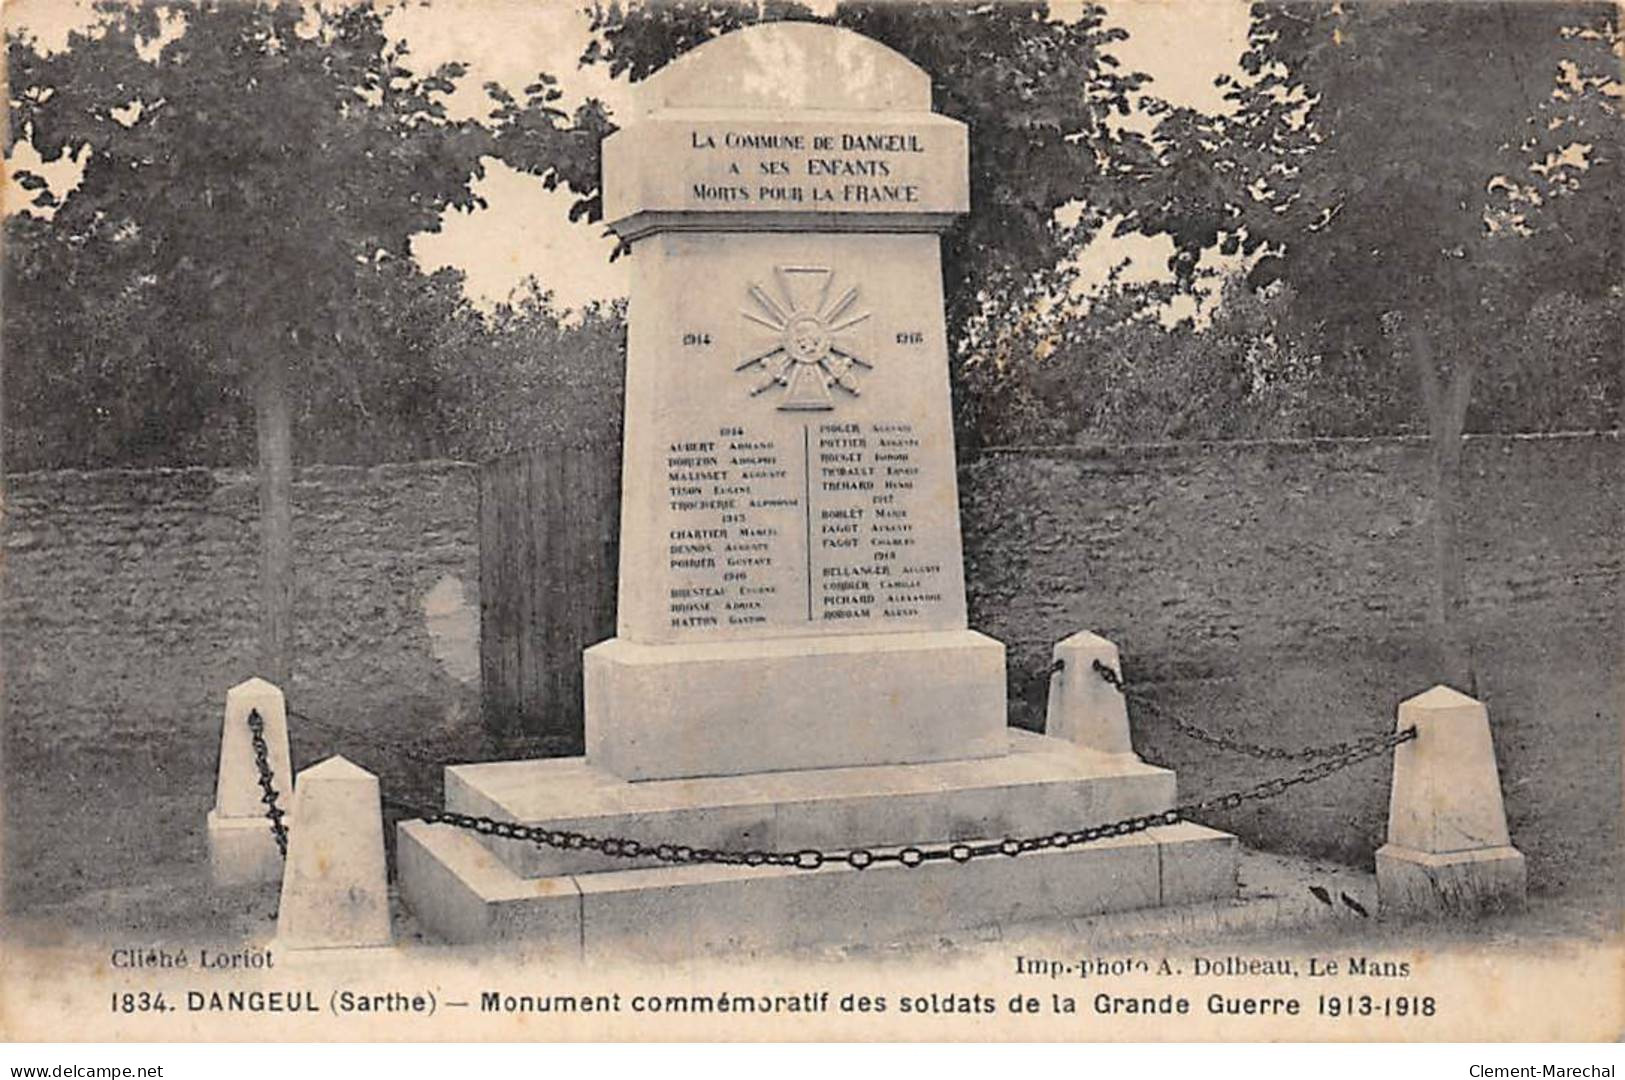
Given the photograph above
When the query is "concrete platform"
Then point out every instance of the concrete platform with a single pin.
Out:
(464, 895)
(466, 888)
(1041, 785)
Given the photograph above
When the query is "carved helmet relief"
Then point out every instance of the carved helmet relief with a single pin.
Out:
(800, 338)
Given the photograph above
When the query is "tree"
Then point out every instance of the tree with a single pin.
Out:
(1118, 372)
(1557, 371)
(1394, 162)
(243, 191)
(541, 377)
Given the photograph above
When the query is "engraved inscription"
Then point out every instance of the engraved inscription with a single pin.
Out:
(735, 507)
(865, 505)
(827, 169)
(816, 529)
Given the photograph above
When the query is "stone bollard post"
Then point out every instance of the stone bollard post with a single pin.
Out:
(242, 847)
(1448, 851)
(335, 888)
(1083, 707)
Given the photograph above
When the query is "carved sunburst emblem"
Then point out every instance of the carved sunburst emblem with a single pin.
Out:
(801, 339)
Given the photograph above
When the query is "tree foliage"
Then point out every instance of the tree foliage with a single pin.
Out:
(1405, 164)
(250, 190)
(1417, 171)
(1120, 374)
(1401, 176)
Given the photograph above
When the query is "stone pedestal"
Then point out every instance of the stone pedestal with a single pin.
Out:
(792, 583)
(1083, 707)
(1448, 850)
(468, 888)
(1424, 884)
(731, 707)
(242, 847)
(335, 889)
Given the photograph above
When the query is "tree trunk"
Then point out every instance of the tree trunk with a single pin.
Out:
(1447, 420)
(6, 627)
(274, 435)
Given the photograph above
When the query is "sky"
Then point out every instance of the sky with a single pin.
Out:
(525, 231)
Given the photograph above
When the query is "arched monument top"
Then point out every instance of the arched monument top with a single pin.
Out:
(786, 127)
(789, 65)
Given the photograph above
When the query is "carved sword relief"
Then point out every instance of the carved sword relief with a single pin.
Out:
(801, 339)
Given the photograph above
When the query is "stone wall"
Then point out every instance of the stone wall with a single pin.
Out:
(130, 596)
(1277, 590)
(1281, 591)
(128, 611)
(1208, 558)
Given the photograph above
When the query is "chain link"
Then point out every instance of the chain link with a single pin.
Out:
(268, 792)
(1227, 742)
(914, 854)
(1326, 760)
(1045, 674)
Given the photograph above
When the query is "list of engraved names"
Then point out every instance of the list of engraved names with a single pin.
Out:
(812, 525)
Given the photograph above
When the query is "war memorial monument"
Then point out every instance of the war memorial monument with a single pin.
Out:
(792, 669)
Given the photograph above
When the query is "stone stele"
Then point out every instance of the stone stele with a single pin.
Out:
(1448, 850)
(242, 847)
(335, 892)
(792, 588)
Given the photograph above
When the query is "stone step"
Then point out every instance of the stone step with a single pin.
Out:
(1042, 785)
(463, 894)
(461, 891)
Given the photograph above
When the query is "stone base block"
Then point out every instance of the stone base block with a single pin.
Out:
(1083, 707)
(467, 888)
(335, 887)
(1418, 883)
(726, 708)
(243, 849)
(1038, 785)
(1198, 864)
(462, 894)
(457, 887)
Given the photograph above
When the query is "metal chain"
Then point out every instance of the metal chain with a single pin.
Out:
(911, 855)
(1227, 742)
(268, 792)
(1046, 674)
(1328, 760)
